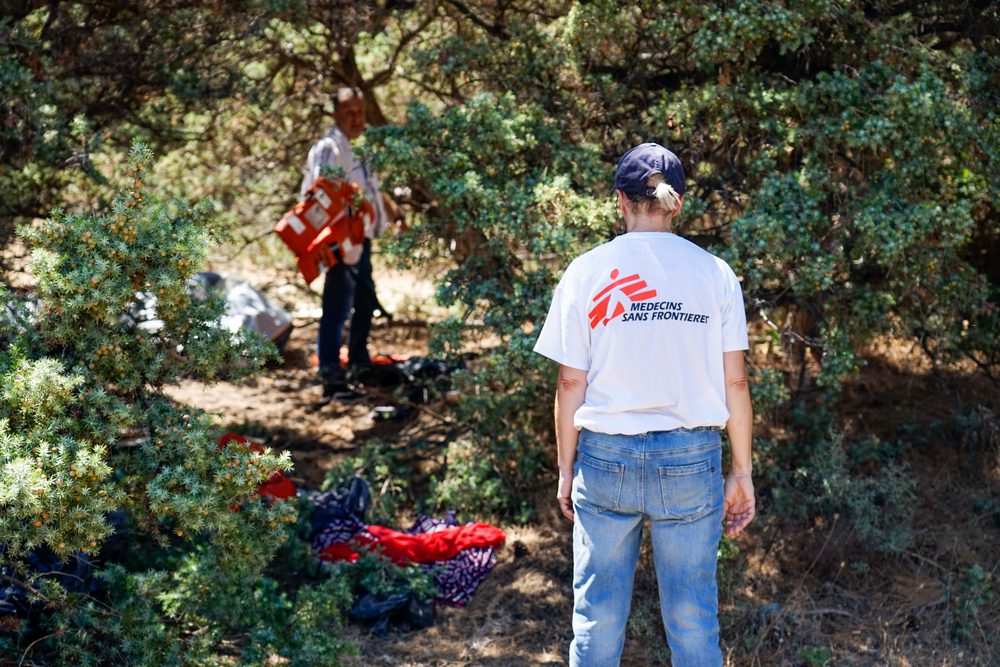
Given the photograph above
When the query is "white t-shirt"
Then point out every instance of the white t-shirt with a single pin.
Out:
(335, 149)
(648, 316)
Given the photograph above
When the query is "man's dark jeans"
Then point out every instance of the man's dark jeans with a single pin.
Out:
(346, 286)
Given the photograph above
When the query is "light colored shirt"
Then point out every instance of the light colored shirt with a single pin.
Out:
(335, 149)
(648, 317)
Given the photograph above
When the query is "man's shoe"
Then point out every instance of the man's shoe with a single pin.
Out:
(358, 372)
(348, 396)
(330, 392)
(341, 392)
(321, 402)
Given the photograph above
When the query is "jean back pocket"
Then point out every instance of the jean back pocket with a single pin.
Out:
(597, 485)
(688, 489)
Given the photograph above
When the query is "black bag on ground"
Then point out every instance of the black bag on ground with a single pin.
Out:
(350, 501)
(402, 608)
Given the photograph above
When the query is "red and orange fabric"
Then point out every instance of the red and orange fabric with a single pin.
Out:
(404, 548)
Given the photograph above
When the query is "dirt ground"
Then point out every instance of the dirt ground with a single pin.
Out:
(793, 596)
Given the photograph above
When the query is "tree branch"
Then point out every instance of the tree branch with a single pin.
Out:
(495, 30)
(382, 77)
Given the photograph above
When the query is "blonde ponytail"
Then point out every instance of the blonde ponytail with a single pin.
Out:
(664, 193)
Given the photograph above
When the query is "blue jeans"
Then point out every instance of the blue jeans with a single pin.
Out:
(344, 287)
(674, 479)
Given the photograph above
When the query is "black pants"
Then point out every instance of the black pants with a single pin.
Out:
(365, 303)
(346, 286)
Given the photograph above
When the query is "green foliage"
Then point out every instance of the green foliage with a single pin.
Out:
(86, 429)
(727, 550)
(880, 191)
(89, 268)
(331, 172)
(386, 473)
(770, 392)
(376, 574)
(53, 493)
(979, 428)
(137, 623)
(127, 73)
(847, 185)
(968, 594)
(127, 627)
(826, 476)
(300, 627)
(816, 656)
(501, 174)
(881, 507)
(987, 507)
(471, 485)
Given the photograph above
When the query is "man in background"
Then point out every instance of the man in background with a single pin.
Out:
(347, 285)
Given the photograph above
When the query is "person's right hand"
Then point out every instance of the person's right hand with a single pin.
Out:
(564, 493)
(739, 506)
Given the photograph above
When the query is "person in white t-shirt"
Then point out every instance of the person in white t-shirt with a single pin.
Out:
(347, 286)
(649, 332)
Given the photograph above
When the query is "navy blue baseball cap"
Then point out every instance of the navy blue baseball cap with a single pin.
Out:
(641, 162)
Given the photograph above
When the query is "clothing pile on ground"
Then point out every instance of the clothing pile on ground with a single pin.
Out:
(461, 556)
(246, 308)
(418, 378)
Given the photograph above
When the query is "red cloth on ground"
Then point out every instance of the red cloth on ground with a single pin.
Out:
(403, 548)
(278, 487)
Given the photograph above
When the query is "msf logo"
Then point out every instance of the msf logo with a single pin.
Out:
(610, 301)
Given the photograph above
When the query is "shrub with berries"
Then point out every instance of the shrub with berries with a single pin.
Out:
(98, 465)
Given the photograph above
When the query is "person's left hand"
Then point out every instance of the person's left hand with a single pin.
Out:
(740, 505)
(564, 493)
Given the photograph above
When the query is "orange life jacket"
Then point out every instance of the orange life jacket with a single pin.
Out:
(327, 227)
